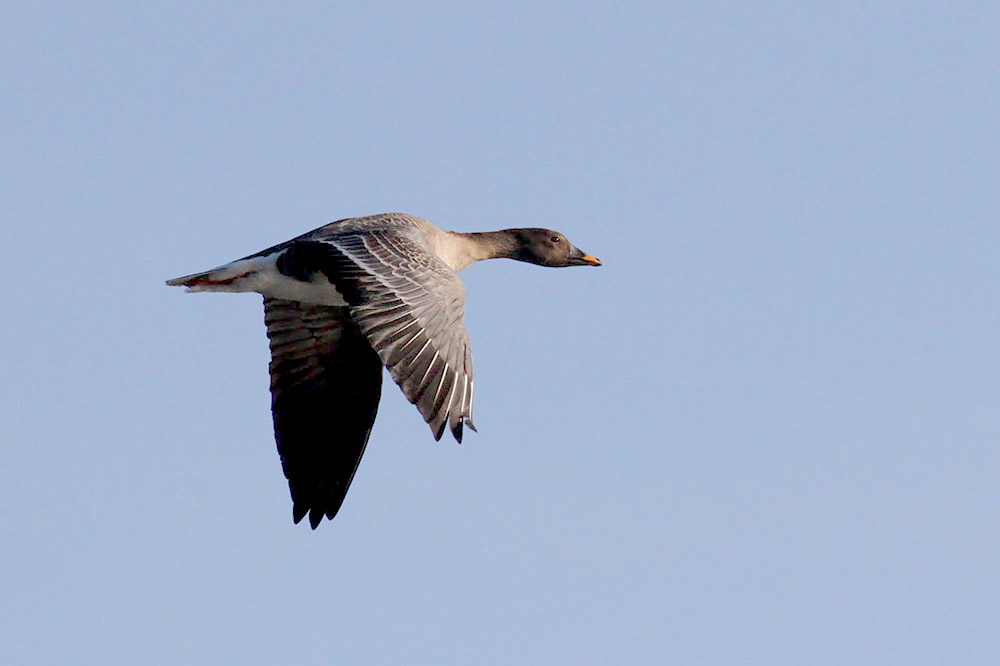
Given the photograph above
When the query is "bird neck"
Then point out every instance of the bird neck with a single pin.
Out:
(494, 244)
(477, 246)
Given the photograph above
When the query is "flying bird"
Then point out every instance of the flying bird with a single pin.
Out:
(344, 300)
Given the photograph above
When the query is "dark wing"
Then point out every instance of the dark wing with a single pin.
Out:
(409, 304)
(326, 381)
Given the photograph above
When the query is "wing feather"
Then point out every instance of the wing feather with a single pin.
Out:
(409, 304)
(326, 382)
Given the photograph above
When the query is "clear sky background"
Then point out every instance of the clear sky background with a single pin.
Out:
(765, 432)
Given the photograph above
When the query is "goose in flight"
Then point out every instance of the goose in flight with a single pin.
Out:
(344, 300)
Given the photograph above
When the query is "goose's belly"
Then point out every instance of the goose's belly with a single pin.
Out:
(318, 291)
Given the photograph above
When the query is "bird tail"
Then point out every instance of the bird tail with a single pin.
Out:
(229, 277)
(192, 280)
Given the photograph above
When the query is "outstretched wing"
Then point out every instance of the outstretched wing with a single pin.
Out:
(326, 381)
(409, 304)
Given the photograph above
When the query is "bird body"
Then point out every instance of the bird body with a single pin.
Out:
(343, 301)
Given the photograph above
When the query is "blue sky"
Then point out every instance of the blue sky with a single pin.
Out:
(765, 431)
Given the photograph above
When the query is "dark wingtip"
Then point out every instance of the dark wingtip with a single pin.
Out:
(439, 431)
(300, 510)
(468, 422)
(457, 431)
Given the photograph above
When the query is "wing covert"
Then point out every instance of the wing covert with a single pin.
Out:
(409, 304)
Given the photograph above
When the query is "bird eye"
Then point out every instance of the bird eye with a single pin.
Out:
(556, 239)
